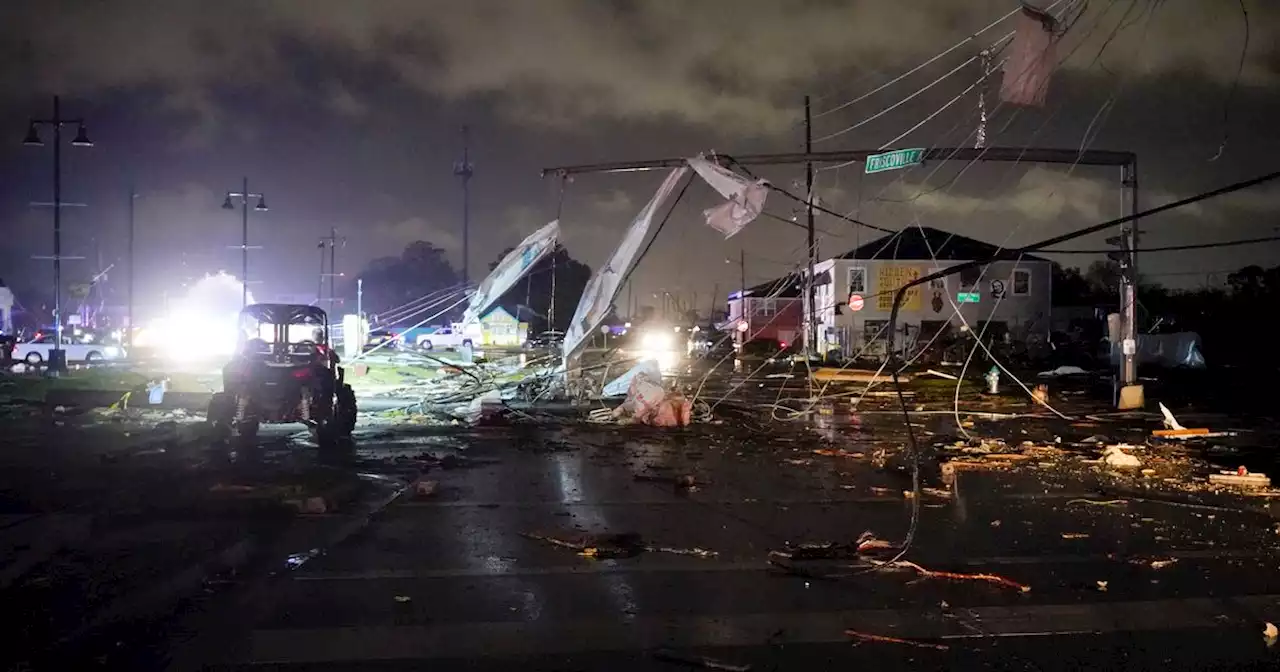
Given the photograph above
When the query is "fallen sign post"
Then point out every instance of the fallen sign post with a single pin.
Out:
(899, 158)
(1126, 161)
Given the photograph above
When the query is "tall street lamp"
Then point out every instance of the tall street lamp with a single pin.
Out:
(132, 325)
(58, 356)
(244, 195)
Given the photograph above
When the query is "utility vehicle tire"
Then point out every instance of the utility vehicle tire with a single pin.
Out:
(247, 430)
(222, 411)
(344, 411)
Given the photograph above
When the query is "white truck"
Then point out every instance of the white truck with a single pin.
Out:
(36, 351)
(453, 336)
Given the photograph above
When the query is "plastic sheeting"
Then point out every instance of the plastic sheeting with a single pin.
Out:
(618, 386)
(509, 271)
(647, 403)
(1171, 350)
(478, 408)
(745, 197)
(603, 286)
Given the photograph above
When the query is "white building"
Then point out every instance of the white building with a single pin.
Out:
(1014, 296)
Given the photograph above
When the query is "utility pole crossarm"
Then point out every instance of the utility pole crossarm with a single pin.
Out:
(1091, 157)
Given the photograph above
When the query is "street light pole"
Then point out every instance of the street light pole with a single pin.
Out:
(464, 170)
(58, 356)
(244, 195)
(244, 245)
(133, 197)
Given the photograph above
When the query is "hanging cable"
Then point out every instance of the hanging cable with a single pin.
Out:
(896, 105)
(1178, 248)
(1235, 83)
(931, 61)
(892, 237)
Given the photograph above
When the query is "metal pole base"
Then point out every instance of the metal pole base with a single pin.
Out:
(57, 362)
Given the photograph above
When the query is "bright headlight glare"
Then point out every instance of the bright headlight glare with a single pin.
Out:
(657, 341)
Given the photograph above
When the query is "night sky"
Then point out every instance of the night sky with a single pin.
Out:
(347, 114)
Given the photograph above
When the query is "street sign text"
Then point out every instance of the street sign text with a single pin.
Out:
(900, 158)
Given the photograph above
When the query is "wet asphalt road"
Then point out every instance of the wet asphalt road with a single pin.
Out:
(448, 581)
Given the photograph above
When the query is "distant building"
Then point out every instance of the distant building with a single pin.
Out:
(501, 329)
(769, 311)
(1009, 298)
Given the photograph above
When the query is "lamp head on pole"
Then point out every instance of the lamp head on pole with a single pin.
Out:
(82, 138)
(226, 203)
(262, 204)
(33, 137)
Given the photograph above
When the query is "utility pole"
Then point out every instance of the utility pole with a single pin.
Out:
(57, 356)
(1131, 395)
(551, 302)
(465, 170)
(133, 198)
(244, 195)
(331, 241)
(811, 335)
(742, 279)
(320, 277)
(360, 298)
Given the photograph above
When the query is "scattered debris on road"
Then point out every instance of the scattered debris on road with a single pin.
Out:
(868, 637)
(958, 576)
(669, 656)
(614, 546)
(1241, 478)
(1115, 456)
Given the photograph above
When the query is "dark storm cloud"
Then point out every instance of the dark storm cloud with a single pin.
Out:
(731, 63)
(350, 111)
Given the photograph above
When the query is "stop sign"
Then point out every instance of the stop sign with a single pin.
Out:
(855, 301)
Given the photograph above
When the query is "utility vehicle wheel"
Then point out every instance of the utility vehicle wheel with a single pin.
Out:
(222, 411)
(247, 430)
(344, 411)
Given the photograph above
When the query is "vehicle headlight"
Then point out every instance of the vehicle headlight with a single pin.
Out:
(657, 341)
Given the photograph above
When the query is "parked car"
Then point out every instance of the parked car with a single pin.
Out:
(36, 351)
(444, 338)
(385, 338)
(547, 340)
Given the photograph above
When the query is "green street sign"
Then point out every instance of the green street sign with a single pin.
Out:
(899, 158)
(967, 297)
